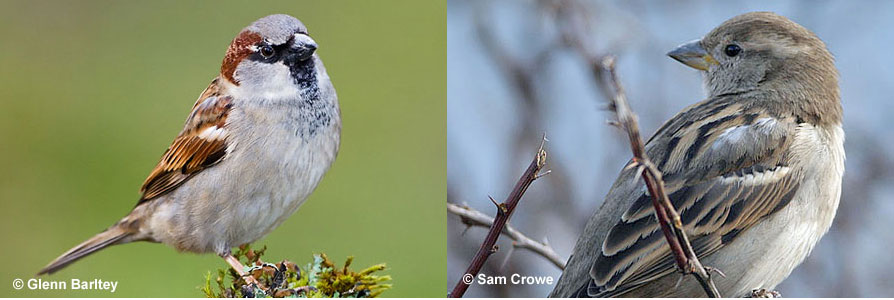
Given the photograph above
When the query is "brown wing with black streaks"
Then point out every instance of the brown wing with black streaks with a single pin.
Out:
(722, 173)
(201, 144)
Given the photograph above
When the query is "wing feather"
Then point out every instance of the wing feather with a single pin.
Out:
(734, 177)
(201, 144)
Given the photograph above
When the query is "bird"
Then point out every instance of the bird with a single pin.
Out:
(256, 144)
(754, 170)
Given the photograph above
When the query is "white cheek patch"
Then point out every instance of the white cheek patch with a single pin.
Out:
(264, 80)
(213, 133)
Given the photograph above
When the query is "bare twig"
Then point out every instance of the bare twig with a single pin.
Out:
(472, 217)
(667, 215)
(504, 211)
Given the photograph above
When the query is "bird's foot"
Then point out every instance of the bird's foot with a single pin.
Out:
(240, 269)
(764, 293)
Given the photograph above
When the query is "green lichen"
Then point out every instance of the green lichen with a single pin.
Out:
(318, 279)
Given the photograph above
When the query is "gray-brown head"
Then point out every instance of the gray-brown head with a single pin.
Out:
(767, 52)
(273, 48)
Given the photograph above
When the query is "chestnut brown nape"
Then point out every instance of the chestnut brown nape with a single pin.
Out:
(239, 49)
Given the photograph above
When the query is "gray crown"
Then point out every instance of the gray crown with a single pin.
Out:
(277, 29)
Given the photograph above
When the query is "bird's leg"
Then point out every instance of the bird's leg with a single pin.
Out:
(240, 269)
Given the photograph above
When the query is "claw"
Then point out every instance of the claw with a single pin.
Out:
(764, 293)
(715, 270)
(679, 280)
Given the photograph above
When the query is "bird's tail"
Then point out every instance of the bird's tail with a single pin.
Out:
(112, 236)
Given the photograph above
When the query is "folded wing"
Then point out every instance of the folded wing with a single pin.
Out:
(722, 174)
(201, 144)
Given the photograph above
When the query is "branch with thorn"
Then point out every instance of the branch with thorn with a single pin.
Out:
(573, 29)
(473, 218)
(667, 215)
(504, 211)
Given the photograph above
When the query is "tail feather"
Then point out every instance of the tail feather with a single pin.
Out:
(112, 236)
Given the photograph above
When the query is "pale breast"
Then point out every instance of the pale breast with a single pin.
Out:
(270, 169)
(768, 252)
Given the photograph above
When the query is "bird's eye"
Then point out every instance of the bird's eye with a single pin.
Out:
(266, 51)
(732, 50)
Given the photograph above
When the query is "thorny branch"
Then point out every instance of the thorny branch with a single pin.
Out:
(472, 217)
(667, 215)
(573, 29)
(504, 211)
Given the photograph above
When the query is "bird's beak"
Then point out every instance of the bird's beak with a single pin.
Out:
(303, 46)
(694, 55)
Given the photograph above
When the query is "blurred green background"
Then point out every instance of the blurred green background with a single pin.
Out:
(92, 93)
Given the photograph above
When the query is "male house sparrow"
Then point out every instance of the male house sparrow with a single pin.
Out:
(254, 147)
(754, 170)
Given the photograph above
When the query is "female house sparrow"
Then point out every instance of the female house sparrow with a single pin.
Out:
(755, 171)
(254, 147)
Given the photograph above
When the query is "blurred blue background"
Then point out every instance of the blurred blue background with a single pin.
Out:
(93, 92)
(510, 79)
